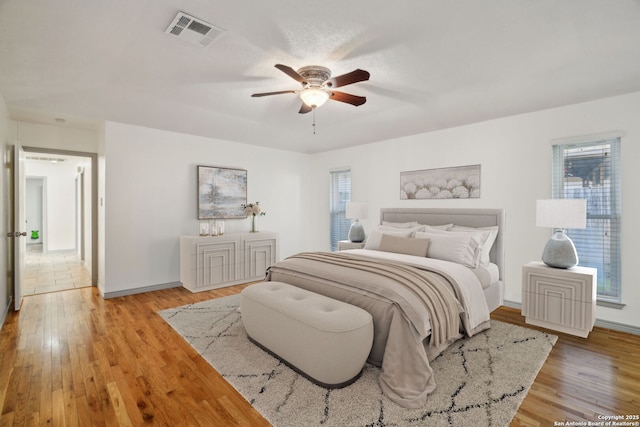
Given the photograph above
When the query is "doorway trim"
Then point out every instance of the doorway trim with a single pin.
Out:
(94, 199)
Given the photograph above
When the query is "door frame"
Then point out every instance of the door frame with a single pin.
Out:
(94, 199)
(19, 221)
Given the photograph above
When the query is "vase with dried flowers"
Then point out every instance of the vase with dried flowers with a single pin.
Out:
(253, 210)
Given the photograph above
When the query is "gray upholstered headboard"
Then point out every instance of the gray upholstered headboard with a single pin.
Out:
(458, 216)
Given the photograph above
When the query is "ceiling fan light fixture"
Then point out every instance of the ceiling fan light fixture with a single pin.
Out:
(318, 86)
(314, 97)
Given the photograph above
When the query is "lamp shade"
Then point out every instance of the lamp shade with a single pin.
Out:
(314, 97)
(561, 213)
(357, 210)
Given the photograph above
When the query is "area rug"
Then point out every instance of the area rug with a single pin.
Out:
(481, 381)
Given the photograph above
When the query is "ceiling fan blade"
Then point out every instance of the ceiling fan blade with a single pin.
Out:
(257, 95)
(291, 73)
(348, 98)
(348, 78)
(304, 108)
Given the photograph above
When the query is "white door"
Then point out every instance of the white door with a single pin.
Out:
(20, 222)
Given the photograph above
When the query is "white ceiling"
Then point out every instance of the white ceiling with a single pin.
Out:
(433, 63)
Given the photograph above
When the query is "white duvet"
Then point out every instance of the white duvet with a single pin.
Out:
(469, 290)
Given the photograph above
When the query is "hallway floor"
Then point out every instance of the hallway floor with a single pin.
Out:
(53, 272)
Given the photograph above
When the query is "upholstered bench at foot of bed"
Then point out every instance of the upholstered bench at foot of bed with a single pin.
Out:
(326, 340)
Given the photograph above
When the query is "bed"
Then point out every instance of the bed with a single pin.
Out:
(420, 304)
(475, 218)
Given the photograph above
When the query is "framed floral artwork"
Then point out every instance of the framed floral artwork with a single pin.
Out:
(221, 192)
(460, 182)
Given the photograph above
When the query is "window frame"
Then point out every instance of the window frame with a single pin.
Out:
(339, 195)
(611, 246)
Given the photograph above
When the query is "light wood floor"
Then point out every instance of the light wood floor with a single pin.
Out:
(71, 358)
(53, 271)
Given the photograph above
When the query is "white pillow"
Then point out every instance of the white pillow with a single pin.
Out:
(391, 228)
(484, 237)
(461, 248)
(375, 237)
(487, 244)
(443, 227)
(400, 224)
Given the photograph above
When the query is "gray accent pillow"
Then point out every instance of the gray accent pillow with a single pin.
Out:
(375, 237)
(404, 245)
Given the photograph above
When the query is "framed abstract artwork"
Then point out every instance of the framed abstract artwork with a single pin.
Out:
(460, 182)
(221, 192)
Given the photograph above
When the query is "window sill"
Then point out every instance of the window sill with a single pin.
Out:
(610, 304)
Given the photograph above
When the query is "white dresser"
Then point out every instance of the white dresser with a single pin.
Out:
(218, 261)
(348, 244)
(559, 299)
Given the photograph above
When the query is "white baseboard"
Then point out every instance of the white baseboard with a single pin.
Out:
(512, 304)
(142, 290)
(621, 327)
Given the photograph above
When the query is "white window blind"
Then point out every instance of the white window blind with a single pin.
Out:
(591, 171)
(339, 195)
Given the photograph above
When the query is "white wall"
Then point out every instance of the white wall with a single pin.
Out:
(150, 199)
(59, 202)
(58, 137)
(515, 156)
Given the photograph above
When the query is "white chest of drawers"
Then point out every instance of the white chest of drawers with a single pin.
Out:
(217, 261)
(347, 244)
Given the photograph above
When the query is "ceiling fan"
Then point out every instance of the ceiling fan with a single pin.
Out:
(317, 86)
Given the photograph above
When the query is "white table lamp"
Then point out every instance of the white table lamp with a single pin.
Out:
(560, 252)
(357, 211)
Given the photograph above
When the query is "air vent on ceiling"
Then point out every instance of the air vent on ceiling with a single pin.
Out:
(193, 30)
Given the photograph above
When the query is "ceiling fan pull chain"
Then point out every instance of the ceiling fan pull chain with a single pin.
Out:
(314, 119)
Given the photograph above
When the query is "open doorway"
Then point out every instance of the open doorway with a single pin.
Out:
(59, 213)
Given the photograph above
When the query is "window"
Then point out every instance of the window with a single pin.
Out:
(339, 195)
(591, 171)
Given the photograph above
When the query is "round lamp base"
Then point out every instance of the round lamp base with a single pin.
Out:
(560, 252)
(356, 232)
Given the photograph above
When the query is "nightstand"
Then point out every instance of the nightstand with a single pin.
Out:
(559, 299)
(347, 244)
